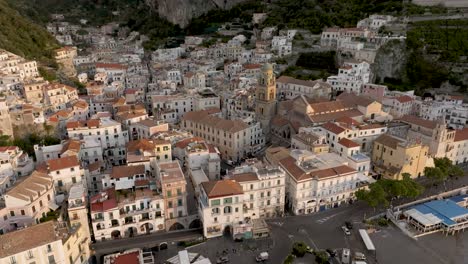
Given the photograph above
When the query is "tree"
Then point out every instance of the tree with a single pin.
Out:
(382, 192)
(299, 249)
(374, 197)
(321, 257)
(435, 174)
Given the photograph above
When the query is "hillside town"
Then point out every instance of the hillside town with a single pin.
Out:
(211, 138)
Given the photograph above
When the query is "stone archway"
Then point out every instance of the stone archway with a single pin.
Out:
(227, 231)
(115, 234)
(131, 231)
(196, 223)
(146, 228)
(176, 226)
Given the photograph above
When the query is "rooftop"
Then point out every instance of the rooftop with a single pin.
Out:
(446, 210)
(127, 171)
(221, 188)
(32, 237)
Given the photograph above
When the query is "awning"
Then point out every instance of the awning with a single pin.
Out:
(53, 206)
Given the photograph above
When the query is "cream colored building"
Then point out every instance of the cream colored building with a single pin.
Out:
(434, 134)
(57, 95)
(263, 187)
(33, 90)
(220, 206)
(27, 202)
(65, 172)
(173, 186)
(49, 242)
(6, 127)
(235, 139)
(14, 65)
(316, 182)
(392, 156)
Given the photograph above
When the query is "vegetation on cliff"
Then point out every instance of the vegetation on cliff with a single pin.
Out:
(23, 37)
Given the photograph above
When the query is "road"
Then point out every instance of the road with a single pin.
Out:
(151, 240)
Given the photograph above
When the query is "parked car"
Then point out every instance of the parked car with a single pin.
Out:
(221, 260)
(345, 256)
(359, 256)
(262, 257)
(346, 230)
(349, 225)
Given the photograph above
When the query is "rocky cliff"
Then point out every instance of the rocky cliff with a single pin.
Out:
(390, 60)
(181, 11)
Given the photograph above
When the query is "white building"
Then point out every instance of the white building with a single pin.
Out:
(126, 213)
(165, 55)
(282, 45)
(109, 132)
(398, 106)
(263, 187)
(375, 21)
(65, 172)
(351, 76)
(220, 206)
(200, 155)
(289, 88)
(318, 182)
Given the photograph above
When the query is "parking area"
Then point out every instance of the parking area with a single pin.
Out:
(323, 231)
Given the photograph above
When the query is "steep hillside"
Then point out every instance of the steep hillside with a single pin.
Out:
(21, 36)
(180, 12)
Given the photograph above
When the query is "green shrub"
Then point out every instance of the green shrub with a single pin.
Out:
(289, 259)
(299, 249)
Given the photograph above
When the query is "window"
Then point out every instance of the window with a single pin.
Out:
(49, 248)
(13, 260)
(51, 259)
(169, 204)
(179, 191)
(227, 200)
(33, 209)
(169, 193)
(22, 212)
(215, 202)
(30, 254)
(227, 210)
(179, 202)
(215, 210)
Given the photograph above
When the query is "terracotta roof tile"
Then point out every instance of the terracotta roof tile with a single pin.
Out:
(62, 163)
(410, 119)
(215, 189)
(461, 134)
(388, 140)
(126, 171)
(348, 143)
(404, 99)
(244, 177)
(334, 128)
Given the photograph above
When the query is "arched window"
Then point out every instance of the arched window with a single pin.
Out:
(227, 209)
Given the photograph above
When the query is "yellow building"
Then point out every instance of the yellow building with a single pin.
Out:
(49, 242)
(265, 104)
(392, 156)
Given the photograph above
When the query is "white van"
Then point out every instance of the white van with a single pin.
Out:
(345, 256)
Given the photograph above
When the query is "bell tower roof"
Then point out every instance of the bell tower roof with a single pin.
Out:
(267, 67)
